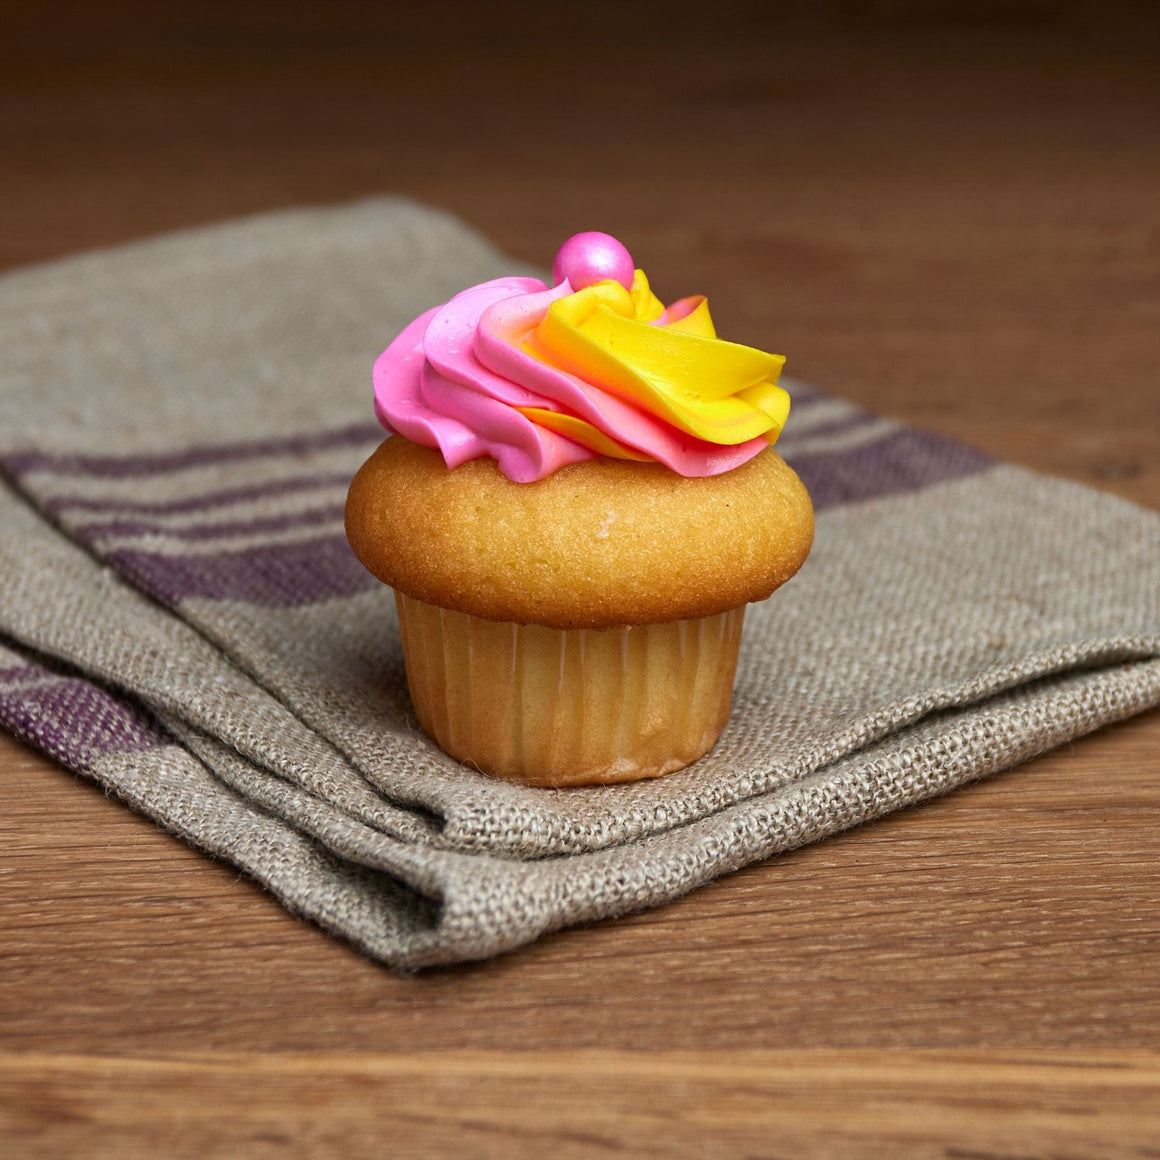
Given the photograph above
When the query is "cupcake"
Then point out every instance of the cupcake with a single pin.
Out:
(577, 501)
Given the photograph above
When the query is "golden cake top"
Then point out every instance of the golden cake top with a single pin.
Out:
(596, 544)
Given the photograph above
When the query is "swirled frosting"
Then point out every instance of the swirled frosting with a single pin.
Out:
(539, 376)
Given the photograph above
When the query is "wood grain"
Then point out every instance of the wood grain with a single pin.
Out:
(770, 1104)
(946, 212)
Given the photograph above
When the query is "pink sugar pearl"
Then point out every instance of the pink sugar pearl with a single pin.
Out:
(588, 258)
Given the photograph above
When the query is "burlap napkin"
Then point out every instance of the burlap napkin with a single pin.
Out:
(183, 621)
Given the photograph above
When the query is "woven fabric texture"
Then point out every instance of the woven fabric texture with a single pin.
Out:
(182, 620)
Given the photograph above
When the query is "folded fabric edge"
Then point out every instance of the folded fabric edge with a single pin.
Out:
(474, 907)
(468, 833)
(131, 754)
(206, 689)
(951, 750)
(460, 833)
(119, 741)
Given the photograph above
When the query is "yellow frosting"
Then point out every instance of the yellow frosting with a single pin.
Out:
(610, 337)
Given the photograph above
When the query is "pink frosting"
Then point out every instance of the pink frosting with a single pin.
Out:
(454, 377)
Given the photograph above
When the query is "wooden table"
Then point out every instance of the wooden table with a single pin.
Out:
(954, 222)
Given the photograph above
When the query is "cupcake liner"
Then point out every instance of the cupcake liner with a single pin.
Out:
(556, 707)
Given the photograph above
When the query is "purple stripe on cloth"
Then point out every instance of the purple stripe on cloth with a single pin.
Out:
(286, 575)
(206, 501)
(75, 721)
(301, 519)
(127, 466)
(20, 673)
(905, 460)
(277, 575)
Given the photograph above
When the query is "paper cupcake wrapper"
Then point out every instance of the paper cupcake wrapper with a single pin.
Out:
(556, 707)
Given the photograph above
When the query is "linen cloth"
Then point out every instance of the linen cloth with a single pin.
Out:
(181, 619)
